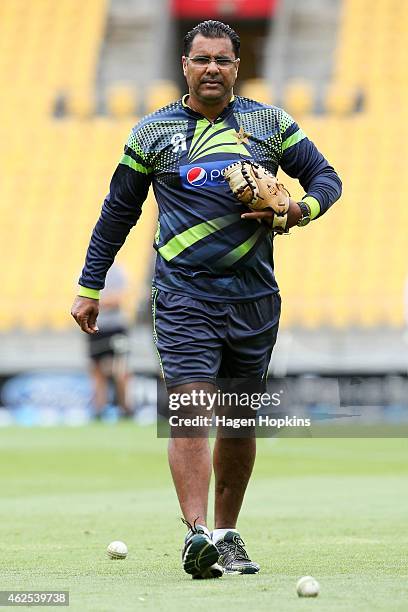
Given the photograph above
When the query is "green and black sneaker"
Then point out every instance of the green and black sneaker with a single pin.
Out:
(200, 555)
(233, 556)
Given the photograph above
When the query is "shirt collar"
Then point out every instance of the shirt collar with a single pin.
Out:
(223, 114)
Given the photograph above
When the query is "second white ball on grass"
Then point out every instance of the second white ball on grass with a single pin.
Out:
(307, 586)
(117, 550)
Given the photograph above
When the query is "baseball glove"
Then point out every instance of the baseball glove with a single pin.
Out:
(256, 187)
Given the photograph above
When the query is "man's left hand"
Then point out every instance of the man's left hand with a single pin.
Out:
(294, 214)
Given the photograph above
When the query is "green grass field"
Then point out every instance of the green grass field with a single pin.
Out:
(333, 508)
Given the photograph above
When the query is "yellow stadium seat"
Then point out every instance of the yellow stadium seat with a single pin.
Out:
(161, 93)
(257, 89)
(298, 97)
(121, 100)
(80, 103)
(8, 318)
(340, 99)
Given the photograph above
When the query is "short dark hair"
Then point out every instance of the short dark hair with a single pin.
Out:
(212, 29)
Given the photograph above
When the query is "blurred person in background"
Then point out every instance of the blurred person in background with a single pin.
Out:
(108, 350)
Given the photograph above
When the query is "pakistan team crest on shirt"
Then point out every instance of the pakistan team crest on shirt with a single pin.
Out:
(242, 136)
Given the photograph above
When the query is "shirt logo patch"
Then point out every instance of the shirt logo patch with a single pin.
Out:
(179, 143)
(197, 176)
(208, 175)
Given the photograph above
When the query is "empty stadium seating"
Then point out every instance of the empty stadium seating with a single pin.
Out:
(347, 269)
(56, 171)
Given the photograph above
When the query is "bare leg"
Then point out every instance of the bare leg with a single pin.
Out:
(190, 463)
(233, 462)
(121, 378)
(100, 386)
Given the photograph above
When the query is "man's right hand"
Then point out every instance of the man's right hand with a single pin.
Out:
(85, 312)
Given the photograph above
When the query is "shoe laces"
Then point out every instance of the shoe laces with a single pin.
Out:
(234, 550)
(192, 527)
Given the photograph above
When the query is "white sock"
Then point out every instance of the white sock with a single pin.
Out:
(218, 534)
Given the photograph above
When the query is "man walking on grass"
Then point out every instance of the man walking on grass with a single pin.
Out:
(216, 302)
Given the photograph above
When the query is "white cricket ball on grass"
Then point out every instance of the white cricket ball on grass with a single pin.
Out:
(117, 550)
(307, 587)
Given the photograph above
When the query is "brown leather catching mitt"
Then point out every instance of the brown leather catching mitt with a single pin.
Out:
(256, 187)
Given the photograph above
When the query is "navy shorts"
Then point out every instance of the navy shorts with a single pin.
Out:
(204, 341)
(113, 343)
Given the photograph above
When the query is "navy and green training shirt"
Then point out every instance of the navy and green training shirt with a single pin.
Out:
(204, 248)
